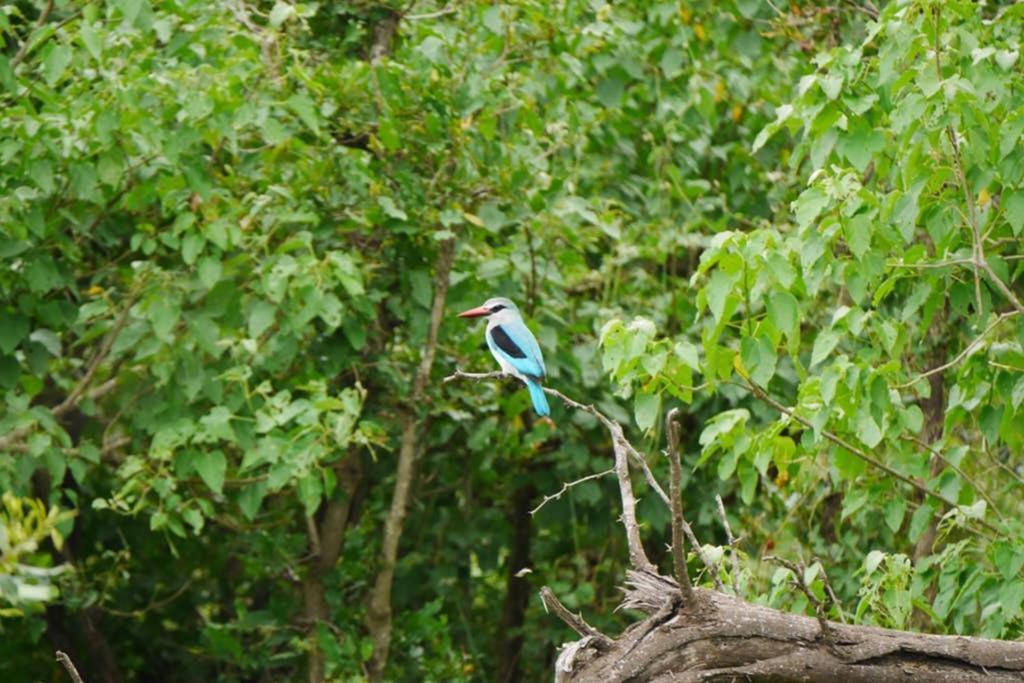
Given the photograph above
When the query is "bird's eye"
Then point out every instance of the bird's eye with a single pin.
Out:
(498, 308)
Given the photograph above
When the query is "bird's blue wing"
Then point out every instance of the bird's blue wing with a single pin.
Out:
(517, 345)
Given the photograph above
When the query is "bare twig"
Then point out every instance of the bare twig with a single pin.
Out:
(831, 593)
(675, 490)
(732, 546)
(574, 621)
(960, 356)
(760, 393)
(569, 485)
(69, 666)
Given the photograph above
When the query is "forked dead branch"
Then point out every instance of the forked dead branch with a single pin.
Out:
(698, 634)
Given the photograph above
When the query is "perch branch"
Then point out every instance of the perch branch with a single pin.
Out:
(574, 621)
(675, 489)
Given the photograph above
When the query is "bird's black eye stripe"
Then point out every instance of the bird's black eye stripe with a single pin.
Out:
(499, 307)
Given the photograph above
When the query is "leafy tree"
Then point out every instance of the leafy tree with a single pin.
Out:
(233, 234)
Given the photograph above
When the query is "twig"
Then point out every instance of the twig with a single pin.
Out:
(675, 490)
(23, 50)
(573, 621)
(69, 666)
(15, 435)
(960, 356)
(798, 581)
(566, 487)
(938, 454)
(732, 546)
(831, 593)
(839, 441)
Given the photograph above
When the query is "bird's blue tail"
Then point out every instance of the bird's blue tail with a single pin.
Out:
(540, 401)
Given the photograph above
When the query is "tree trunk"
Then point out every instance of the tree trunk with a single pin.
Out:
(720, 638)
(378, 618)
(517, 593)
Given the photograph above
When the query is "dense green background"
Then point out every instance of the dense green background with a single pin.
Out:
(219, 230)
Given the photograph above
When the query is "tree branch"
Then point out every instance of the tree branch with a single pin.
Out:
(573, 621)
(760, 393)
(378, 618)
(675, 490)
(69, 665)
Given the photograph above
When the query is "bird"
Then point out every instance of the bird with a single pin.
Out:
(514, 347)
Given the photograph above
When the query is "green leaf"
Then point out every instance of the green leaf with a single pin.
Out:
(872, 561)
(848, 465)
(824, 344)
(13, 329)
(808, 206)
(212, 467)
(261, 317)
(56, 63)
(304, 107)
(1013, 207)
(718, 289)
(311, 491)
(646, 407)
(895, 509)
(783, 311)
(280, 13)
(868, 430)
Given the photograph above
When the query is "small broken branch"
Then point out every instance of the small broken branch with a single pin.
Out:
(573, 621)
(732, 546)
(675, 490)
(69, 666)
(798, 570)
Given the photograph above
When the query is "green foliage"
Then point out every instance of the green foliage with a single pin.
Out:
(219, 224)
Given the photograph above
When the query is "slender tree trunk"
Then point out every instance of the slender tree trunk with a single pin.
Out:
(518, 590)
(378, 619)
(327, 537)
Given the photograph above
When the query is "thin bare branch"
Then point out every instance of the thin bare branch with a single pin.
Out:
(977, 341)
(675, 490)
(569, 485)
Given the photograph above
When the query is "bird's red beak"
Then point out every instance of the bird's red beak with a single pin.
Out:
(475, 312)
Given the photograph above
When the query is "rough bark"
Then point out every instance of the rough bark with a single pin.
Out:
(716, 637)
(378, 618)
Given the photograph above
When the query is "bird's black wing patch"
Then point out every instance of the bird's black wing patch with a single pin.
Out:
(505, 343)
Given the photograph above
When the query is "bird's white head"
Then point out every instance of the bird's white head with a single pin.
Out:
(490, 307)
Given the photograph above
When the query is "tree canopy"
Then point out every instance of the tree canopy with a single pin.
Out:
(234, 237)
